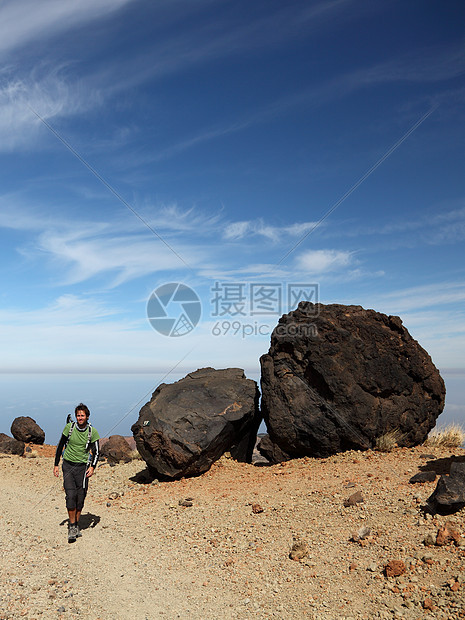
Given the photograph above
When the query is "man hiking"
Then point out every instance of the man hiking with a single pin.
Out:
(81, 451)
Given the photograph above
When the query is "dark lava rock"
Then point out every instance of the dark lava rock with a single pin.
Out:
(338, 377)
(449, 494)
(8, 445)
(26, 429)
(190, 424)
(423, 476)
(116, 449)
(271, 451)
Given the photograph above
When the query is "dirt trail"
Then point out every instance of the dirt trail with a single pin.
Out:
(145, 556)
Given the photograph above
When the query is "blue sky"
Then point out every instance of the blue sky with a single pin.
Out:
(217, 141)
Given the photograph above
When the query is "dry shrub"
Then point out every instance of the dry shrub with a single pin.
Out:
(135, 456)
(450, 436)
(388, 441)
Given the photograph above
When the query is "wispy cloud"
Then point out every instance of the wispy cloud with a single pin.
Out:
(50, 95)
(322, 261)
(436, 225)
(128, 257)
(436, 295)
(66, 310)
(235, 231)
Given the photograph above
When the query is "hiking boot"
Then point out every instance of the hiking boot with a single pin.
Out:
(78, 531)
(72, 533)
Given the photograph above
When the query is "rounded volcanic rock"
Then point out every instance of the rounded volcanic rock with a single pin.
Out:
(8, 445)
(116, 449)
(190, 424)
(338, 377)
(26, 429)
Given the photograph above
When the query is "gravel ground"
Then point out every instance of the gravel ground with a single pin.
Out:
(225, 552)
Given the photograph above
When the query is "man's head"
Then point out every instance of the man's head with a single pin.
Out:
(82, 414)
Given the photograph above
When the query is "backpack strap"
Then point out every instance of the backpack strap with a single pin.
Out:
(89, 437)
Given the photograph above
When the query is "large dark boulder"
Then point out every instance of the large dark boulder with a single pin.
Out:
(189, 424)
(26, 429)
(8, 445)
(116, 449)
(338, 377)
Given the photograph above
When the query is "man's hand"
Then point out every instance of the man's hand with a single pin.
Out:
(89, 472)
(56, 471)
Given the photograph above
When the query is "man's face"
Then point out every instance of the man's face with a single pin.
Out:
(81, 418)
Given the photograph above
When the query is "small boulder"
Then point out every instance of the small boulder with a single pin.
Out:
(116, 450)
(449, 494)
(8, 445)
(26, 429)
(355, 498)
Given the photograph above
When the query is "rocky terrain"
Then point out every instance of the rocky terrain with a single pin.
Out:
(219, 545)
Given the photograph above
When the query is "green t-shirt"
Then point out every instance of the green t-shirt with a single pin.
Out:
(75, 451)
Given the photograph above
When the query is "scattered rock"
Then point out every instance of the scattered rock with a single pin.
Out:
(8, 445)
(394, 568)
(187, 503)
(449, 494)
(338, 377)
(454, 585)
(257, 509)
(116, 450)
(362, 533)
(26, 429)
(355, 498)
(190, 424)
(114, 495)
(423, 476)
(299, 550)
(429, 540)
(447, 534)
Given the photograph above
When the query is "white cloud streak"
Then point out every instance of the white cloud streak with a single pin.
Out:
(25, 21)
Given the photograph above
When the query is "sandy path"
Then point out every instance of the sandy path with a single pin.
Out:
(146, 557)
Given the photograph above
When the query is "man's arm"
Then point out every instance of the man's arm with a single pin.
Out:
(95, 451)
(59, 450)
(58, 453)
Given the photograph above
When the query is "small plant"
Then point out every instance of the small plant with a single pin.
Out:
(135, 456)
(450, 436)
(388, 441)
